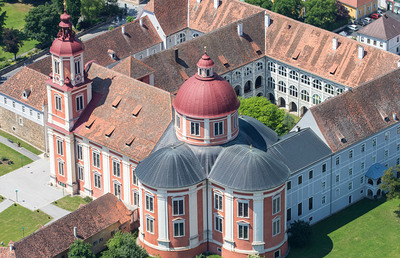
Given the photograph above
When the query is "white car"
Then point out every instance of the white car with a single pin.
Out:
(367, 20)
(353, 27)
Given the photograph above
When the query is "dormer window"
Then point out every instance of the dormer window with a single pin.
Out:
(26, 93)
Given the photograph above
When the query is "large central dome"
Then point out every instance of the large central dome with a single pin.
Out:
(206, 95)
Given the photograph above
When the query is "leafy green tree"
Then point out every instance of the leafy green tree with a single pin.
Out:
(130, 19)
(342, 12)
(111, 8)
(41, 23)
(3, 16)
(91, 9)
(266, 4)
(12, 41)
(59, 4)
(261, 109)
(321, 13)
(300, 233)
(80, 250)
(390, 183)
(74, 9)
(289, 8)
(123, 245)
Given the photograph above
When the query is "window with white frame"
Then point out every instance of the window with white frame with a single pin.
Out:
(316, 99)
(350, 154)
(218, 201)
(116, 168)
(149, 224)
(13, 104)
(323, 185)
(58, 104)
(337, 160)
(362, 165)
(350, 171)
(323, 200)
(293, 90)
(323, 168)
(218, 223)
(79, 169)
(248, 71)
(337, 178)
(329, 89)
(5, 100)
(178, 206)
(181, 37)
(179, 228)
(350, 186)
(178, 121)
(271, 67)
(363, 147)
(97, 180)
(134, 178)
(259, 66)
(195, 128)
(305, 96)
(243, 231)
(374, 142)
(23, 109)
(79, 102)
(305, 79)
(96, 159)
(386, 153)
(398, 130)
(317, 84)
(77, 67)
(237, 75)
(60, 147)
(373, 159)
(276, 204)
(79, 151)
(243, 208)
(61, 167)
(135, 197)
(117, 188)
(282, 71)
(276, 226)
(282, 86)
(294, 75)
(339, 91)
(38, 115)
(271, 83)
(218, 128)
(56, 67)
(235, 120)
(149, 203)
(362, 180)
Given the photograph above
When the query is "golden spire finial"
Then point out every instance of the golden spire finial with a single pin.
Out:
(65, 5)
(251, 147)
(172, 146)
(205, 49)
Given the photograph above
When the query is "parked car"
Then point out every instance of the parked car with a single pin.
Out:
(359, 22)
(380, 12)
(374, 16)
(353, 27)
(367, 20)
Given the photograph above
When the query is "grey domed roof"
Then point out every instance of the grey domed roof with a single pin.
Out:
(249, 169)
(171, 167)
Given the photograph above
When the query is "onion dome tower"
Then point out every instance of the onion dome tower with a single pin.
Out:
(206, 107)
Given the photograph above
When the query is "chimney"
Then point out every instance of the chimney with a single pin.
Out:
(75, 232)
(267, 20)
(216, 4)
(360, 52)
(240, 29)
(123, 29)
(398, 63)
(298, 129)
(11, 247)
(394, 116)
(176, 55)
(198, 1)
(141, 22)
(334, 43)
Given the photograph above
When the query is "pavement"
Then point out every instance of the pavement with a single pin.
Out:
(21, 150)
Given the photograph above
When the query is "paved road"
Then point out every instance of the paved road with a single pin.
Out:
(54, 211)
(21, 150)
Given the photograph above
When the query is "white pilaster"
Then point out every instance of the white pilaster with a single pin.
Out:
(207, 130)
(209, 213)
(52, 159)
(68, 111)
(70, 163)
(141, 213)
(258, 227)
(205, 211)
(106, 171)
(72, 67)
(50, 104)
(229, 126)
(228, 221)
(194, 232)
(86, 167)
(126, 182)
(184, 132)
(162, 206)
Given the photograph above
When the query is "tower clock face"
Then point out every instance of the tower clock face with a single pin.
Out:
(57, 78)
(78, 77)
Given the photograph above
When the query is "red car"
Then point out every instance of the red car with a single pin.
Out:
(374, 16)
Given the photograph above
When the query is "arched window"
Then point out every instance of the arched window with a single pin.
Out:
(282, 86)
(329, 89)
(339, 91)
(293, 90)
(247, 87)
(237, 90)
(294, 75)
(305, 96)
(259, 66)
(258, 82)
(195, 35)
(271, 83)
(271, 67)
(181, 37)
(248, 71)
(317, 84)
(316, 99)
(305, 79)
(237, 75)
(227, 78)
(282, 71)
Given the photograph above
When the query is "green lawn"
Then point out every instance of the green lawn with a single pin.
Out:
(2, 198)
(13, 155)
(23, 144)
(14, 218)
(365, 229)
(70, 203)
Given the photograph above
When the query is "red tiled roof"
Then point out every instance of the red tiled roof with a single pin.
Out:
(356, 3)
(30, 80)
(58, 236)
(315, 54)
(147, 127)
(384, 28)
(133, 68)
(359, 113)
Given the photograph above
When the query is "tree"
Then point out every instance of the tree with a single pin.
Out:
(300, 233)
(41, 23)
(12, 41)
(80, 250)
(59, 4)
(91, 9)
(321, 13)
(341, 12)
(264, 111)
(74, 9)
(390, 183)
(266, 4)
(289, 8)
(130, 19)
(3, 16)
(123, 245)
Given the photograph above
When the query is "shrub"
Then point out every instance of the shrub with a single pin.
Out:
(88, 199)
(130, 19)
(300, 233)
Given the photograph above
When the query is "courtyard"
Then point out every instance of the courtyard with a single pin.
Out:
(366, 229)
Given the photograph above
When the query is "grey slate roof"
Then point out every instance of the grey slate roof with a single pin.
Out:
(376, 171)
(249, 169)
(384, 28)
(299, 149)
(171, 167)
